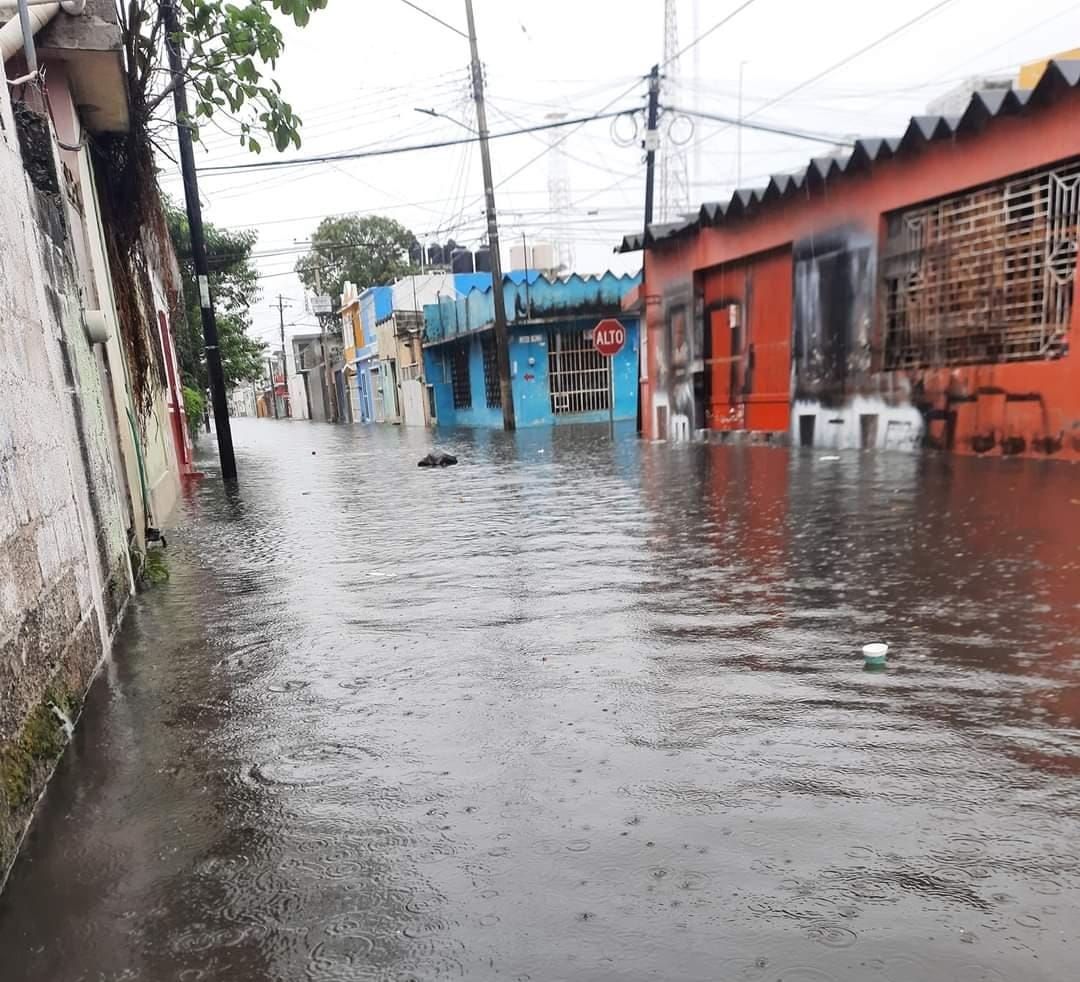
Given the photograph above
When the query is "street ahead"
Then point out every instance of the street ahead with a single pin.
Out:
(577, 709)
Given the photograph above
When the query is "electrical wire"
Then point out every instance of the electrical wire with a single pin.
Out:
(438, 20)
(389, 151)
(712, 30)
(765, 127)
(846, 60)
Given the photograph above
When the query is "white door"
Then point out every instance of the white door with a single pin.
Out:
(412, 398)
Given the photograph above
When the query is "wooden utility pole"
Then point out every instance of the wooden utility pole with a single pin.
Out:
(502, 341)
(214, 372)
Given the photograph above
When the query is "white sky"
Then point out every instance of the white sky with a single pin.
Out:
(357, 73)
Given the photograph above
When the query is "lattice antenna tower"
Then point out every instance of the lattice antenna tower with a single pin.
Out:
(674, 177)
(559, 196)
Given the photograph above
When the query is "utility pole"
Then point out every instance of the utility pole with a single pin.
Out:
(284, 356)
(330, 401)
(652, 141)
(502, 343)
(215, 374)
(273, 386)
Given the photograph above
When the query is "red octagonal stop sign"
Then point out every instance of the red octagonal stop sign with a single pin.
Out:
(609, 336)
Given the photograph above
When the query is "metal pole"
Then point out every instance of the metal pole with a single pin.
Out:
(27, 37)
(738, 132)
(525, 260)
(214, 372)
(502, 344)
(611, 393)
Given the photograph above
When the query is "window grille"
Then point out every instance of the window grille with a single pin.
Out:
(983, 276)
(578, 373)
(459, 377)
(492, 392)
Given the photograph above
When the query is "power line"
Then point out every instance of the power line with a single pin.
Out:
(388, 151)
(765, 127)
(438, 20)
(712, 30)
(940, 5)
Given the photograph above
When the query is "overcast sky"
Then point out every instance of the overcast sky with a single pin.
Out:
(362, 67)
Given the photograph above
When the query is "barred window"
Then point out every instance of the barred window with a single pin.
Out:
(492, 392)
(459, 376)
(578, 373)
(983, 276)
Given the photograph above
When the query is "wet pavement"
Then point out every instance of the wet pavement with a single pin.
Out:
(576, 710)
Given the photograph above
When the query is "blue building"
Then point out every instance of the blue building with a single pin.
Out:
(375, 304)
(556, 374)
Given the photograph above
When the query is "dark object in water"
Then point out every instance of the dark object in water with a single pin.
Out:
(437, 459)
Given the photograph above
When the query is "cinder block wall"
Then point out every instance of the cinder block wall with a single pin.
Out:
(64, 568)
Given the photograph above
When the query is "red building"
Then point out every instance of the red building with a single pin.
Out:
(913, 291)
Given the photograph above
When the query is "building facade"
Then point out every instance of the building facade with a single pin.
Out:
(915, 291)
(93, 439)
(556, 374)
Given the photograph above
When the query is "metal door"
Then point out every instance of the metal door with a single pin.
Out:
(412, 398)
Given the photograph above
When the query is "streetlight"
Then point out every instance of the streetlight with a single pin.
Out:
(438, 115)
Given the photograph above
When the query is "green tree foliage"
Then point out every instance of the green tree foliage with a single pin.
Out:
(234, 284)
(194, 407)
(230, 50)
(368, 251)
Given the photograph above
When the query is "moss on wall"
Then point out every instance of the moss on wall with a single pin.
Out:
(29, 756)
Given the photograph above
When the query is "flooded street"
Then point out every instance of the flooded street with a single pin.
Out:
(576, 710)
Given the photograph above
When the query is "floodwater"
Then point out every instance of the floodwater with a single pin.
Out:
(579, 710)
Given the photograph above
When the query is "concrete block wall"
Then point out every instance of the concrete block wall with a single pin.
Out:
(64, 569)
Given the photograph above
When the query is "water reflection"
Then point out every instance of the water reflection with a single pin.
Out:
(578, 709)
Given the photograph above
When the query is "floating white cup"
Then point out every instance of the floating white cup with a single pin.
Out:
(875, 653)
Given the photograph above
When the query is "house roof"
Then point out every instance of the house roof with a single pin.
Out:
(983, 107)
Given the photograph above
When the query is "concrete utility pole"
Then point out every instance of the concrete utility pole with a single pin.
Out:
(330, 400)
(652, 141)
(502, 341)
(284, 358)
(214, 372)
(273, 386)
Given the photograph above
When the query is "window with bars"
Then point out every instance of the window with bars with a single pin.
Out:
(983, 276)
(492, 392)
(460, 382)
(578, 373)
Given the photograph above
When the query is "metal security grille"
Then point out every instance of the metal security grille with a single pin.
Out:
(460, 382)
(985, 276)
(492, 392)
(578, 374)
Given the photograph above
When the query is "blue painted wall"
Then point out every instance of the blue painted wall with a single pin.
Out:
(525, 302)
(376, 304)
(531, 383)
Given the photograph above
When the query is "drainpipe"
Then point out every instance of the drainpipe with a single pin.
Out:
(33, 16)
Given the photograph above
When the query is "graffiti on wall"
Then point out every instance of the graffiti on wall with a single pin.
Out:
(833, 314)
(680, 366)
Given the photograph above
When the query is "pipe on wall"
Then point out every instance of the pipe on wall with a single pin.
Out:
(39, 13)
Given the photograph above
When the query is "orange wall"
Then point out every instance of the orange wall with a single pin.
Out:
(1037, 138)
(762, 288)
